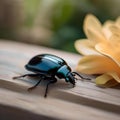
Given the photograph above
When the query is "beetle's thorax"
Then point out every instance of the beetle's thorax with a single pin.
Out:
(63, 71)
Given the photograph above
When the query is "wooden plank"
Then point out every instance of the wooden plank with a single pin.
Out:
(85, 101)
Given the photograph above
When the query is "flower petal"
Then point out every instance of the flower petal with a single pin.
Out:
(115, 76)
(93, 29)
(115, 30)
(106, 28)
(97, 64)
(92, 22)
(108, 79)
(116, 39)
(85, 47)
(111, 50)
(95, 36)
(103, 79)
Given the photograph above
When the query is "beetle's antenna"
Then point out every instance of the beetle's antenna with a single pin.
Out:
(75, 73)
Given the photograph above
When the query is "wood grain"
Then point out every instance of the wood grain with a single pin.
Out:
(85, 101)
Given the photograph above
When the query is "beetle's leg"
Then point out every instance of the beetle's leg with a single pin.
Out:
(33, 87)
(50, 82)
(29, 75)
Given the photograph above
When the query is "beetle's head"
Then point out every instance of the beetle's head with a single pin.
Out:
(70, 78)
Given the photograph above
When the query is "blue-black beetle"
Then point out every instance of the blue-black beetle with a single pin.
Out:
(48, 67)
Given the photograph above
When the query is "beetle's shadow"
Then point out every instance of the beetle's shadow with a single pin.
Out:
(60, 84)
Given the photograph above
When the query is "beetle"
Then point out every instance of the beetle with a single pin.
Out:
(49, 67)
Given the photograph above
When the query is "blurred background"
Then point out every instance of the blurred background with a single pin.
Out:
(51, 23)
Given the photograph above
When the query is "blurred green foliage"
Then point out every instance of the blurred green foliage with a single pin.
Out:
(64, 18)
(67, 16)
(30, 9)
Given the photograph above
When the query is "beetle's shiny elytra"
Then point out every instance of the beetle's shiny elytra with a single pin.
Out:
(49, 67)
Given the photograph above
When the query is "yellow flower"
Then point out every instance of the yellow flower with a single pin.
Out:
(101, 50)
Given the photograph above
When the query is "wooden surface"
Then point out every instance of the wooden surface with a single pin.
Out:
(84, 102)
